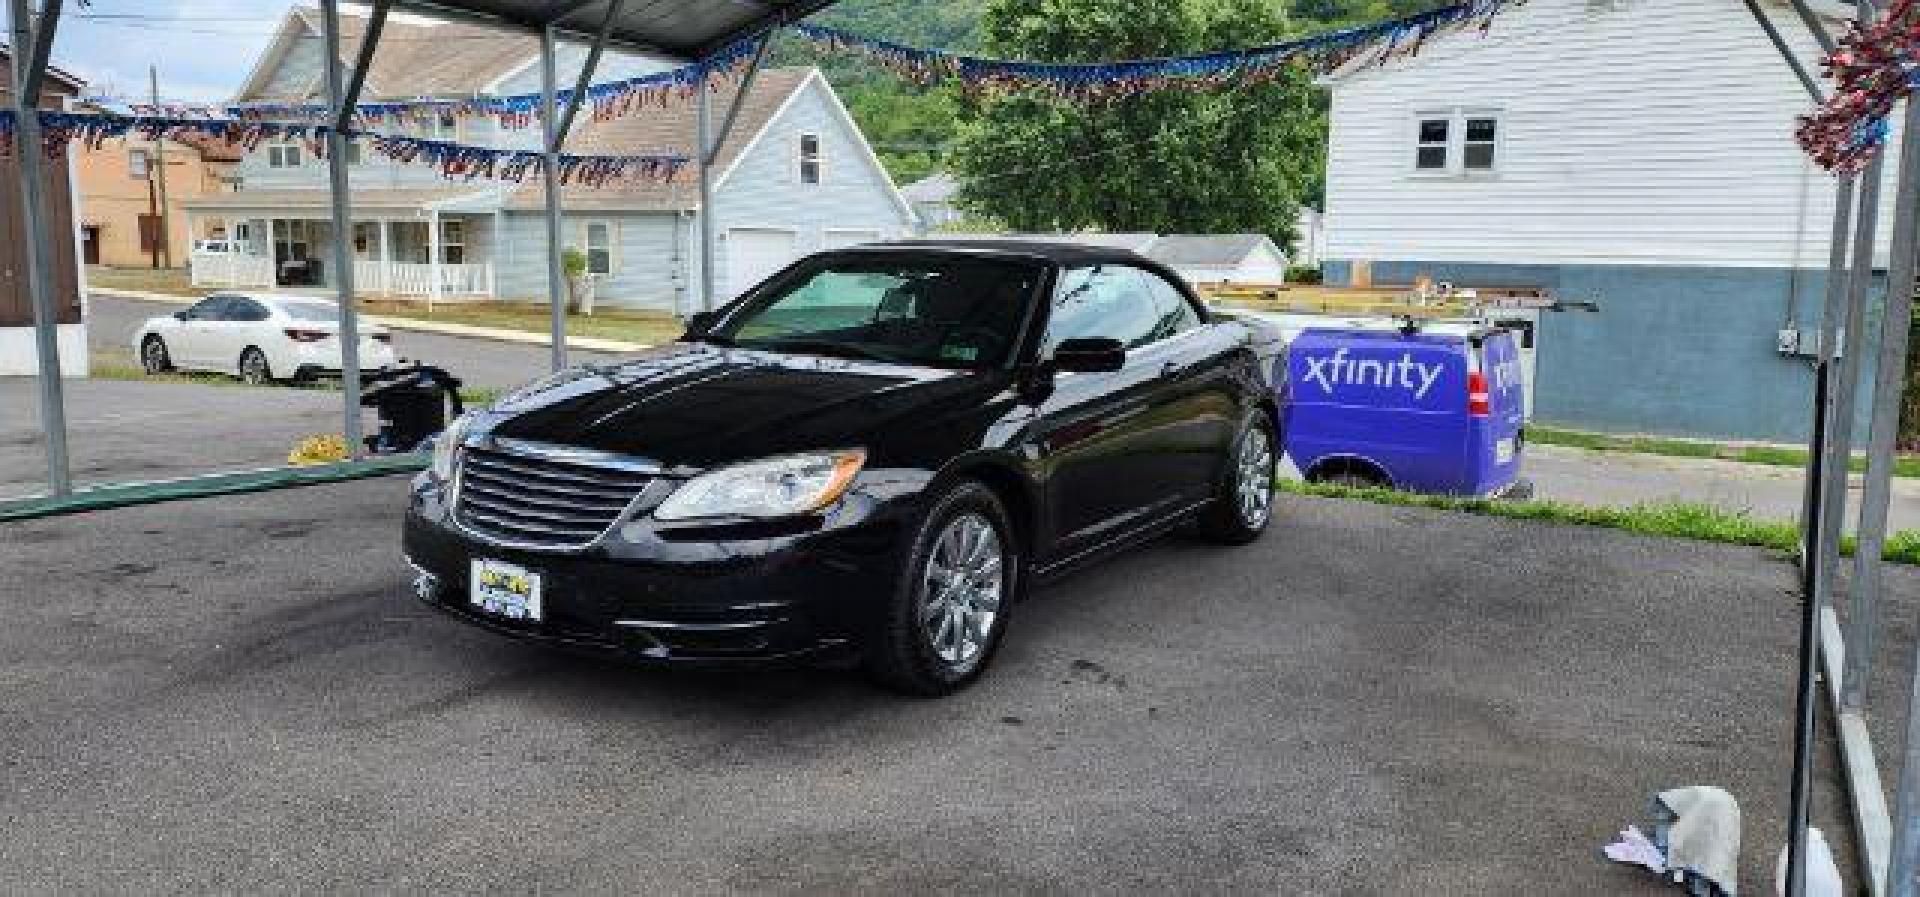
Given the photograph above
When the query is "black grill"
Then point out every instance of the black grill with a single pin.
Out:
(542, 502)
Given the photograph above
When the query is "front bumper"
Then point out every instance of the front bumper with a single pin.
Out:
(649, 595)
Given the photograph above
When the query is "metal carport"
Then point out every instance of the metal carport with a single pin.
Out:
(680, 30)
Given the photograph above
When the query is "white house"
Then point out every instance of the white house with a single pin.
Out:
(794, 176)
(1635, 153)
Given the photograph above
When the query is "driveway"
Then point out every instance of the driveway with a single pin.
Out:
(112, 322)
(238, 695)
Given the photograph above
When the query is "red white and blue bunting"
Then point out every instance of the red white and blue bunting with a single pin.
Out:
(1393, 39)
(454, 161)
(1872, 68)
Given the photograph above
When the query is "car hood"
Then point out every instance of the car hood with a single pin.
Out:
(697, 405)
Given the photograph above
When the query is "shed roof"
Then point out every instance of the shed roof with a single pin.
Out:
(937, 187)
(1207, 250)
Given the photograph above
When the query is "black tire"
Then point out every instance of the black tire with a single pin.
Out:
(903, 652)
(1352, 479)
(254, 369)
(154, 358)
(1232, 518)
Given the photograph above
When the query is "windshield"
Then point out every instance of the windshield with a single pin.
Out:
(941, 313)
(311, 311)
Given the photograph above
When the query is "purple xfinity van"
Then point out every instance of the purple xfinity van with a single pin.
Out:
(1432, 412)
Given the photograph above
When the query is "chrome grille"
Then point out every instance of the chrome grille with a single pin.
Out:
(543, 499)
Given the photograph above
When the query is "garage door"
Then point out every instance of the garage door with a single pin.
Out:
(835, 239)
(754, 253)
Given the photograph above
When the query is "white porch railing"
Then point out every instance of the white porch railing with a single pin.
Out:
(226, 269)
(416, 279)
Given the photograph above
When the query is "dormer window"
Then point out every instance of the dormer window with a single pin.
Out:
(810, 161)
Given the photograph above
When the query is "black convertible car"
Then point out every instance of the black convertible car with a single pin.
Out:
(876, 451)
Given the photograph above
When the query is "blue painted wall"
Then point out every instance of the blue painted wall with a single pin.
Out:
(1684, 351)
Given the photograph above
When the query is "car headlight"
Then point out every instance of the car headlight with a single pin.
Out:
(775, 487)
(446, 446)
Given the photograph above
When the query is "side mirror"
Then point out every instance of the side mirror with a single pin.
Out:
(1090, 355)
(700, 322)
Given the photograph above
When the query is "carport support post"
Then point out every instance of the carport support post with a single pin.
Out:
(703, 116)
(342, 97)
(30, 44)
(550, 170)
(1888, 381)
(1904, 863)
(1850, 319)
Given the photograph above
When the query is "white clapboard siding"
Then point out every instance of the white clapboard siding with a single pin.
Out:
(1632, 132)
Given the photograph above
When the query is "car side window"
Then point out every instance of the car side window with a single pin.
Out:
(1177, 315)
(1103, 301)
(246, 310)
(208, 309)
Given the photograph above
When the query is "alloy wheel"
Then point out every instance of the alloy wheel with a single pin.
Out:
(961, 590)
(1253, 478)
(153, 356)
(253, 367)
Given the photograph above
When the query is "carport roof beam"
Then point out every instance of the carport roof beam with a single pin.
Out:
(681, 29)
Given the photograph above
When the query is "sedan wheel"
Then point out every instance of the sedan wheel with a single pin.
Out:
(254, 369)
(153, 356)
(946, 617)
(1255, 478)
(961, 591)
(1243, 503)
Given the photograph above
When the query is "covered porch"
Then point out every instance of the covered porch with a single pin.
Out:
(412, 243)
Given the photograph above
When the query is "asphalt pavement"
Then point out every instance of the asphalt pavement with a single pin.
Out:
(239, 695)
(477, 362)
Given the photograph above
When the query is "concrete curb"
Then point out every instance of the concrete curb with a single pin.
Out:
(494, 334)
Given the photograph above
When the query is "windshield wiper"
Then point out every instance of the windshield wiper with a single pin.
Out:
(826, 347)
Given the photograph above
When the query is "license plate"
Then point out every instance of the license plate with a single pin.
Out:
(1503, 451)
(504, 590)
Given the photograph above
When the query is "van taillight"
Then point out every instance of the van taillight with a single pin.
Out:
(1478, 404)
(306, 336)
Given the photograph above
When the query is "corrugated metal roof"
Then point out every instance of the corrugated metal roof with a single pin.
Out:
(686, 29)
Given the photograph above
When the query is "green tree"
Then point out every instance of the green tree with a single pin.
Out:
(1237, 157)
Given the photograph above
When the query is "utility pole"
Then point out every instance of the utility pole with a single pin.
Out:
(165, 241)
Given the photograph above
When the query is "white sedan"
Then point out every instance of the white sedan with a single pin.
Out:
(256, 338)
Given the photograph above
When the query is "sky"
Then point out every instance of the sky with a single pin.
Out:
(203, 48)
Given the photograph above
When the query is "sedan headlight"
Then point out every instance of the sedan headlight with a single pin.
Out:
(775, 487)
(446, 446)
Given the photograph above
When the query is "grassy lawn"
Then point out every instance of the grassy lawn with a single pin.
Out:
(1904, 465)
(1679, 520)
(646, 327)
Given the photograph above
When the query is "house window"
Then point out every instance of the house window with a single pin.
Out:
(353, 153)
(1477, 152)
(283, 155)
(1431, 153)
(599, 247)
(810, 159)
(138, 164)
(453, 242)
(440, 125)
